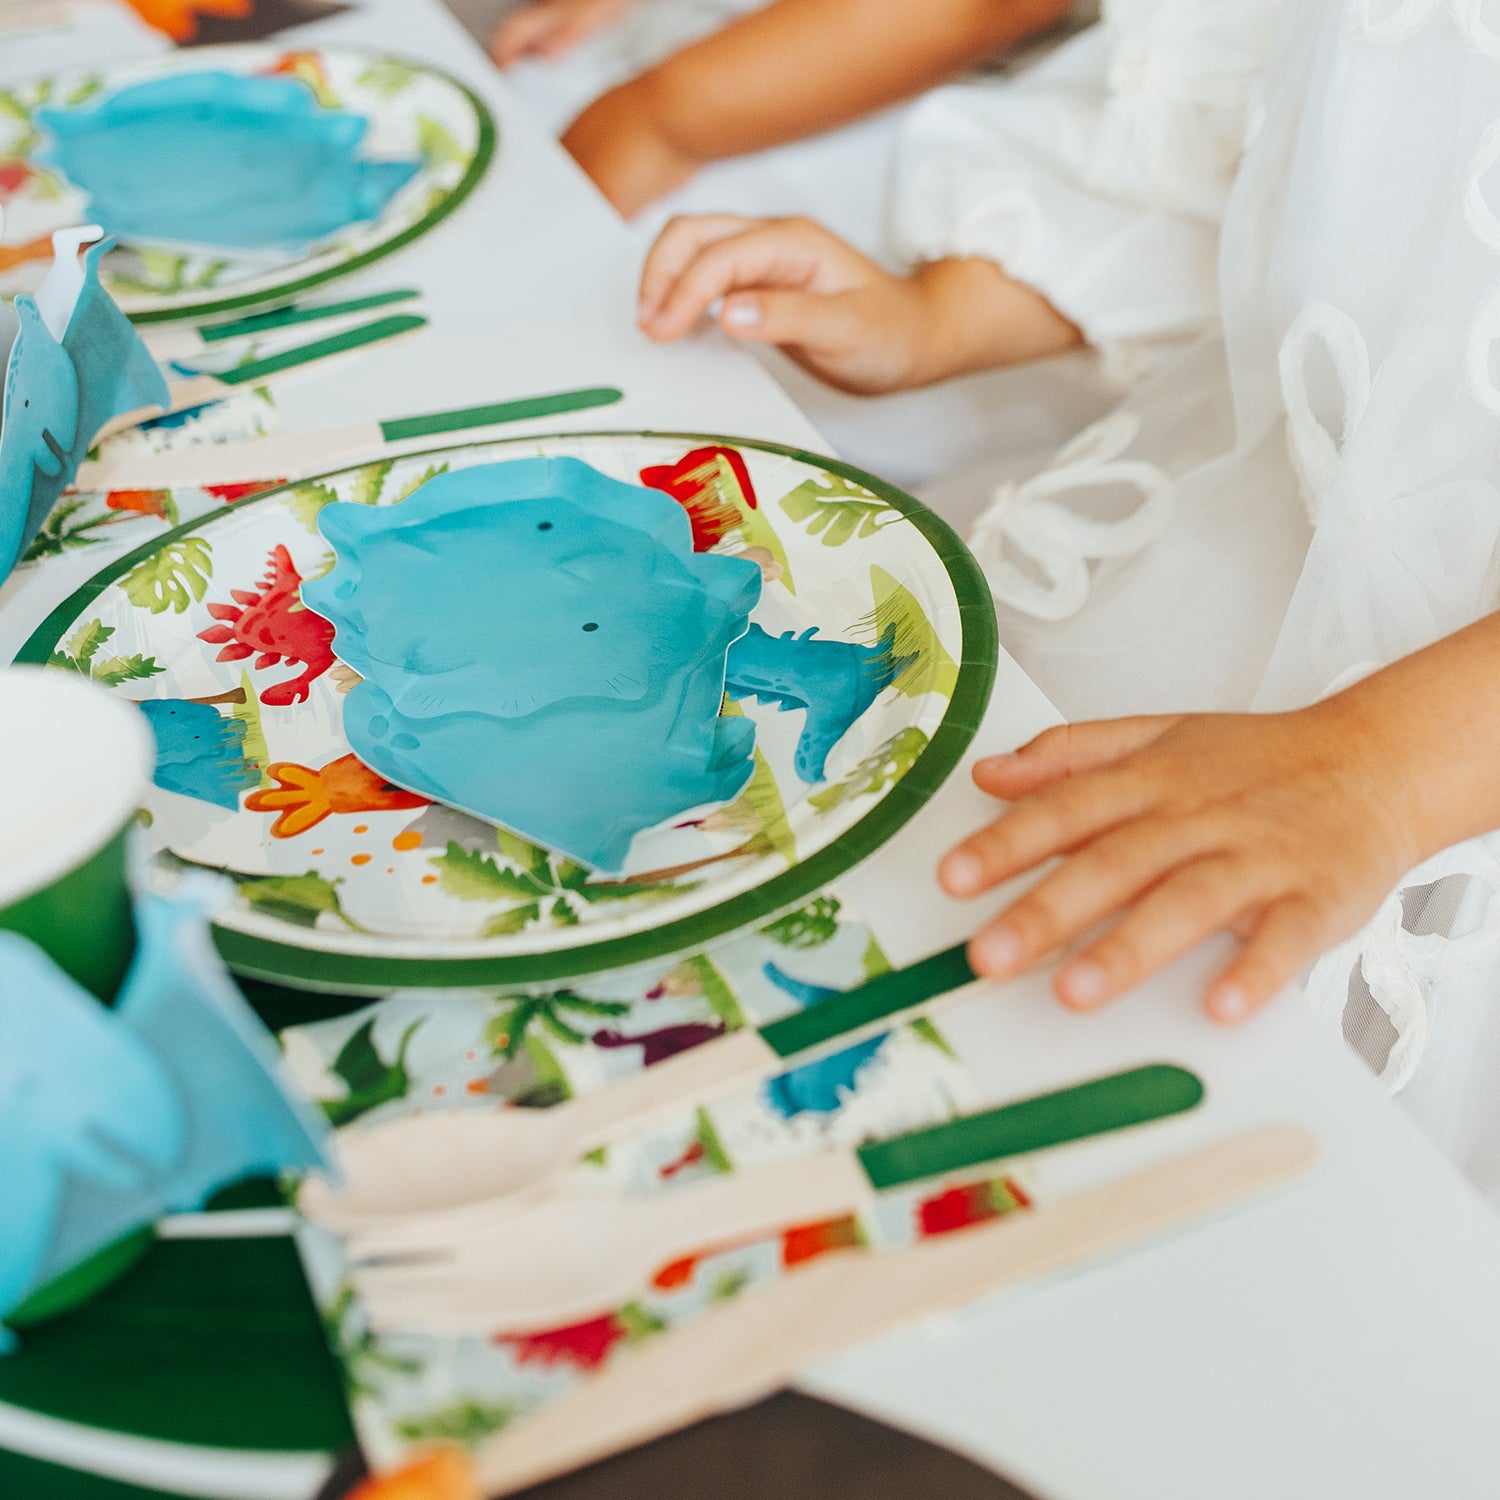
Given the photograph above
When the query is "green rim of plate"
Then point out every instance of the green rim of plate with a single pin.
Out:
(304, 968)
(484, 151)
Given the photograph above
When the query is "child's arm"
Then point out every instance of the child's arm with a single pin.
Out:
(780, 74)
(852, 323)
(1287, 830)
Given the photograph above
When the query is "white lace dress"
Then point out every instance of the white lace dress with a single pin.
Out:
(1303, 487)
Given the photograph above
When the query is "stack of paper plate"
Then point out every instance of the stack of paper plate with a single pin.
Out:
(430, 133)
(344, 882)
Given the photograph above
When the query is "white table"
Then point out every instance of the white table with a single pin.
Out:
(1339, 1342)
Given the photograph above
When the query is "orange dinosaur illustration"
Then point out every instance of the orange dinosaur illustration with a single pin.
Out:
(303, 797)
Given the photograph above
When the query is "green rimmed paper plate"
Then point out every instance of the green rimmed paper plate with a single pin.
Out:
(414, 112)
(343, 884)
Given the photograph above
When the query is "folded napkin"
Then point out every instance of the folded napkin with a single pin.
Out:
(112, 1117)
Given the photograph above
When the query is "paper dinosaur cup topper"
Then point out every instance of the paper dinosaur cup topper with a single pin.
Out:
(72, 363)
(75, 765)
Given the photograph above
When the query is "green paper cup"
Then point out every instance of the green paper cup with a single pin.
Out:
(74, 767)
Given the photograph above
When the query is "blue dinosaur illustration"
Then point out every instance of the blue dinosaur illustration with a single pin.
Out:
(71, 370)
(834, 681)
(822, 1086)
(199, 752)
(214, 158)
(111, 1117)
(540, 645)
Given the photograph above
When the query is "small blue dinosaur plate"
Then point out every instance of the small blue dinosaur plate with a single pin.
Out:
(235, 175)
(216, 158)
(688, 681)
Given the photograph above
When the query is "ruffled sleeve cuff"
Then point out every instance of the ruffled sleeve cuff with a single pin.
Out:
(1127, 274)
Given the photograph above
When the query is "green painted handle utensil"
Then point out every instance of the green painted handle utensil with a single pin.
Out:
(196, 390)
(574, 1255)
(443, 1160)
(291, 456)
(182, 343)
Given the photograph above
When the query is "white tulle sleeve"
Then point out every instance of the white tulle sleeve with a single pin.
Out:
(1100, 176)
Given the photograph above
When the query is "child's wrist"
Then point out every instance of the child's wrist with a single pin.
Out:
(945, 345)
(1420, 735)
(980, 318)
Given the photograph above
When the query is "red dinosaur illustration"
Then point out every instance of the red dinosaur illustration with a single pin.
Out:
(274, 622)
(711, 485)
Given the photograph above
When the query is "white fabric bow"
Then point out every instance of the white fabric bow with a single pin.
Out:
(1404, 536)
(1402, 968)
(1036, 551)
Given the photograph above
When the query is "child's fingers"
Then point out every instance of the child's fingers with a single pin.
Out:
(1065, 751)
(523, 32)
(678, 245)
(1291, 933)
(1054, 820)
(1200, 898)
(791, 318)
(763, 257)
(1085, 889)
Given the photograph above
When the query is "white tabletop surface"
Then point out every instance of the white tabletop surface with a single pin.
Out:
(1338, 1342)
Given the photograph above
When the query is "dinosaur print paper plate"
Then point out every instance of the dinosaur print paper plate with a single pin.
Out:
(864, 671)
(235, 175)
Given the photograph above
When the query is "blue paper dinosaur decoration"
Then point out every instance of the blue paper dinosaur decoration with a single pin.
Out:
(215, 158)
(112, 1117)
(75, 363)
(540, 645)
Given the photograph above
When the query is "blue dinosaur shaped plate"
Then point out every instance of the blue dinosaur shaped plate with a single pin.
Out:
(850, 634)
(600, 717)
(232, 176)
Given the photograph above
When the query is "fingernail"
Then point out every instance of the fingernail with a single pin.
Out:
(741, 314)
(1229, 1003)
(962, 872)
(1083, 983)
(998, 952)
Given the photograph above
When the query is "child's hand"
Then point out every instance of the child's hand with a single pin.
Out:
(789, 282)
(548, 28)
(1288, 830)
(838, 314)
(619, 141)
